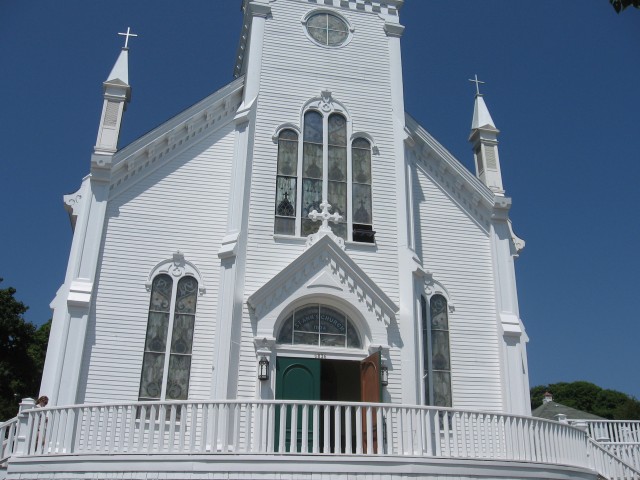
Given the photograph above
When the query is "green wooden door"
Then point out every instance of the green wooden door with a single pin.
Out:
(296, 379)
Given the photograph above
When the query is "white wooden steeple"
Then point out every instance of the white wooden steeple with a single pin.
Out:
(484, 139)
(117, 93)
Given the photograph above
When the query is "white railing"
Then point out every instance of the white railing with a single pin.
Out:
(609, 465)
(619, 437)
(612, 431)
(7, 439)
(293, 427)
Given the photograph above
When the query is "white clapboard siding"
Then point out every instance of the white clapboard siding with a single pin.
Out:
(182, 205)
(295, 70)
(454, 244)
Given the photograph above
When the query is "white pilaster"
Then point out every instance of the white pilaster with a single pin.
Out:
(406, 261)
(515, 375)
(73, 300)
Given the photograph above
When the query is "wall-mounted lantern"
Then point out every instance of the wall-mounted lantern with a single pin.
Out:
(263, 369)
(384, 375)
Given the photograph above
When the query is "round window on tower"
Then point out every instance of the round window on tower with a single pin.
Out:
(327, 29)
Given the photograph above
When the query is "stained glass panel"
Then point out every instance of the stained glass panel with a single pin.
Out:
(286, 331)
(178, 377)
(182, 337)
(312, 160)
(332, 321)
(309, 227)
(187, 295)
(337, 130)
(287, 156)
(440, 349)
(337, 197)
(286, 190)
(336, 23)
(439, 317)
(285, 226)
(353, 340)
(339, 229)
(336, 37)
(361, 160)
(442, 389)
(319, 20)
(157, 328)
(313, 127)
(161, 293)
(306, 319)
(151, 378)
(332, 340)
(305, 338)
(338, 163)
(362, 203)
(311, 196)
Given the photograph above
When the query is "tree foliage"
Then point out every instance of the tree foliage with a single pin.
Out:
(590, 398)
(22, 351)
(620, 5)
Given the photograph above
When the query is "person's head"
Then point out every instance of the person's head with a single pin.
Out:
(42, 401)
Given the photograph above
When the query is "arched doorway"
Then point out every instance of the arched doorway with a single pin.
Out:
(325, 376)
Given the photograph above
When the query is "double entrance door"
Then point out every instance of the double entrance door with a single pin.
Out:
(313, 379)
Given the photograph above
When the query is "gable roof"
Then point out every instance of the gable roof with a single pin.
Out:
(474, 186)
(178, 133)
(344, 274)
(551, 410)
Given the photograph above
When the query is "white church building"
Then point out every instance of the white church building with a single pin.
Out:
(292, 279)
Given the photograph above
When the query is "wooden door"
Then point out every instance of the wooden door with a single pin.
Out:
(370, 391)
(296, 379)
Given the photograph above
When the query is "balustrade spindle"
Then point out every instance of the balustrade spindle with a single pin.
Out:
(326, 447)
(304, 444)
(348, 438)
(359, 430)
(337, 439)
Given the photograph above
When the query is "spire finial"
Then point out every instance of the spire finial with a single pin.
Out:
(477, 82)
(127, 35)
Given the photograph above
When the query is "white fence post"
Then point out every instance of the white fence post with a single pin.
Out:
(23, 434)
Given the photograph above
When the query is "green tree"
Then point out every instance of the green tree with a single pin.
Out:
(620, 5)
(590, 398)
(22, 351)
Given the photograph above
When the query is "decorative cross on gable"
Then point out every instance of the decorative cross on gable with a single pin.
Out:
(127, 35)
(324, 229)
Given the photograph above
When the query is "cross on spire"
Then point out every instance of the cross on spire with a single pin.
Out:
(127, 35)
(477, 82)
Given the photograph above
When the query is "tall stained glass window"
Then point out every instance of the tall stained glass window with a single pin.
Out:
(337, 171)
(166, 365)
(312, 169)
(287, 183)
(361, 191)
(440, 356)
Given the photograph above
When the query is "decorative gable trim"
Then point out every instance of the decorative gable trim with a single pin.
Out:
(324, 266)
(175, 136)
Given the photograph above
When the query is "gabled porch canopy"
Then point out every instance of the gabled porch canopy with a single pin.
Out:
(324, 273)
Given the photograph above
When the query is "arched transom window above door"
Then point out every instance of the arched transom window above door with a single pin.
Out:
(319, 325)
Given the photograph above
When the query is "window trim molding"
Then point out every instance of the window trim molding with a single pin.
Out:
(177, 266)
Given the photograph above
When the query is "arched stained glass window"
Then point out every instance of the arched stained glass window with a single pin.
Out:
(361, 191)
(331, 169)
(319, 325)
(440, 355)
(166, 365)
(312, 169)
(337, 171)
(287, 183)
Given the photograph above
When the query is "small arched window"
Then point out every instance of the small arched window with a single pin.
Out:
(319, 325)
(166, 365)
(287, 183)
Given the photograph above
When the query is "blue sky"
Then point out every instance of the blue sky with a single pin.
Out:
(562, 86)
